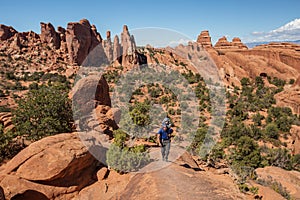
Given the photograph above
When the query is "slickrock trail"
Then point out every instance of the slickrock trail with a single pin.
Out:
(177, 181)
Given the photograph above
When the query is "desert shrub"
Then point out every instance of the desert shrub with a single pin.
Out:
(271, 131)
(282, 117)
(232, 132)
(243, 173)
(296, 162)
(8, 148)
(43, 112)
(111, 76)
(276, 186)
(278, 82)
(246, 153)
(137, 92)
(126, 159)
(246, 188)
(257, 119)
(292, 81)
(217, 152)
(171, 111)
(33, 86)
(139, 113)
(5, 109)
(10, 76)
(279, 157)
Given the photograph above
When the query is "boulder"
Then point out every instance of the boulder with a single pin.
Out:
(89, 92)
(50, 167)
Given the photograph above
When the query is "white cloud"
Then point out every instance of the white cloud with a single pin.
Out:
(177, 42)
(287, 32)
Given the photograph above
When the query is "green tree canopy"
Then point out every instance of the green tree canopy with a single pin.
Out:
(44, 111)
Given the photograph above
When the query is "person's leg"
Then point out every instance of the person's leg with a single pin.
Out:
(163, 149)
(167, 150)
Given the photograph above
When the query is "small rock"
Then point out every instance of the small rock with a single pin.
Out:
(102, 173)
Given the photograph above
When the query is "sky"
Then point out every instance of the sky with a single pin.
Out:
(252, 20)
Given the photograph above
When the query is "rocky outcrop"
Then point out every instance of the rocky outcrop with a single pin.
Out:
(81, 40)
(182, 181)
(279, 45)
(288, 179)
(62, 33)
(105, 120)
(117, 49)
(295, 140)
(49, 35)
(224, 44)
(6, 32)
(62, 166)
(289, 98)
(129, 55)
(16, 43)
(236, 42)
(204, 39)
(108, 48)
(6, 121)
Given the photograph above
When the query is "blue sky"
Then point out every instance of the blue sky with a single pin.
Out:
(253, 20)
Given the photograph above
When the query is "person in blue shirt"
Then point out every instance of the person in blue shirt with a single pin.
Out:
(164, 139)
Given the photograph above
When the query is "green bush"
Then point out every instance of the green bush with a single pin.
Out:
(296, 162)
(276, 186)
(292, 81)
(246, 153)
(279, 158)
(171, 111)
(8, 148)
(257, 119)
(124, 159)
(140, 113)
(43, 112)
(271, 131)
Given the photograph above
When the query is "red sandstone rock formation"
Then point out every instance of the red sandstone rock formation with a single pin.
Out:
(49, 35)
(204, 39)
(117, 49)
(108, 48)
(6, 32)
(224, 44)
(80, 40)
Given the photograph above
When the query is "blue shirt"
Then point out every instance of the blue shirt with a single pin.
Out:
(165, 134)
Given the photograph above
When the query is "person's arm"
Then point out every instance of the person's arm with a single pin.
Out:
(158, 139)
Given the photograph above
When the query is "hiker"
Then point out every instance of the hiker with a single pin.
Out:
(164, 139)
